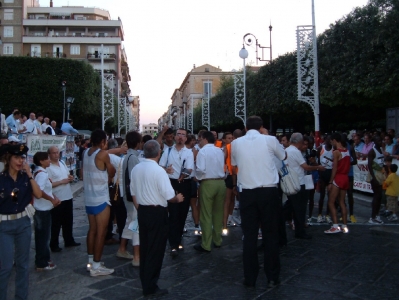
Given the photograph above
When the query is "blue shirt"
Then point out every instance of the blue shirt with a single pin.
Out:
(24, 196)
(68, 129)
(11, 123)
(359, 147)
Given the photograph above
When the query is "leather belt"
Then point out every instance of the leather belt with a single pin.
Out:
(13, 216)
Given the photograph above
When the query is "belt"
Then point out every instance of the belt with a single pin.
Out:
(13, 216)
(212, 179)
(141, 205)
(263, 186)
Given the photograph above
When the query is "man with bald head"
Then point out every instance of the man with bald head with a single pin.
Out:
(53, 130)
(62, 215)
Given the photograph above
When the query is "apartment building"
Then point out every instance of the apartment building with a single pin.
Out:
(200, 83)
(74, 32)
(150, 129)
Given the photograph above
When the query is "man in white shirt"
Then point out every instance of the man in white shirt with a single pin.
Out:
(62, 215)
(178, 161)
(257, 180)
(298, 202)
(46, 123)
(30, 124)
(152, 190)
(210, 172)
(13, 122)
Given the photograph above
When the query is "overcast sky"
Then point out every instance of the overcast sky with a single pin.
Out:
(165, 38)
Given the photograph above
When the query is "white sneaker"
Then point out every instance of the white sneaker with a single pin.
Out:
(126, 255)
(375, 221)
(393, 218)
(328, 220)
(101, 271)
(88, 267)
(320, 219)
(114, 229)
(197, 231)
(231, 222)
(333, 230)
(237, 220)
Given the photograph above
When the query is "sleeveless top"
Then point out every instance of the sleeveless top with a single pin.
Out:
(95, 181)
(344, 163)
(326, 157)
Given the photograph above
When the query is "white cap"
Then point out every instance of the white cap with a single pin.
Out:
(13, 139)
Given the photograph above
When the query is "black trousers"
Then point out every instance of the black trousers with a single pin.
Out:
(297, 204)
(118, 211)
(153, 233)
(62, 216)
(178, 212)
(261, 205)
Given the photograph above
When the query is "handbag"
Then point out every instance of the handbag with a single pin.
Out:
(114, 187)
(289, 181)
(309, 185)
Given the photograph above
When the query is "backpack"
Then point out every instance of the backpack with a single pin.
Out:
(126, 181)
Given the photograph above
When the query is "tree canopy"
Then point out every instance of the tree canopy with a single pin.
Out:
(358, 59)
(34, 85)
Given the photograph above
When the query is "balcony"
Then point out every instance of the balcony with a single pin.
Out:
(97, 57)
(47, 54)
(68, 38)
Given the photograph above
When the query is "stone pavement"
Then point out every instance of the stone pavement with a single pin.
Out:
(358, 265)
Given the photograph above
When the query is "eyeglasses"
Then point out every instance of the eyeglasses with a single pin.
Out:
(181, 134)
(14, 195)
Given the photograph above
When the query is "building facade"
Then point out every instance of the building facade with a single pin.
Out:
(150, 129)
(74, 32)
(200, 84)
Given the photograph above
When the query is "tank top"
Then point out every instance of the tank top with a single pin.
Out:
(95, 181)
(326, 157)
(344, 163)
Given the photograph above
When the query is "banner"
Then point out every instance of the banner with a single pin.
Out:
(360, 172)
(41, 143)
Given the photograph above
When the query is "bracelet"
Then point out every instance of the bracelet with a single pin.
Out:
(30, 178)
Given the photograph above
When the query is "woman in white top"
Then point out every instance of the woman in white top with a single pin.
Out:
(42, 216)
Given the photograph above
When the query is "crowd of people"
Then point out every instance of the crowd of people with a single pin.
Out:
(142, 188)
(17, 124)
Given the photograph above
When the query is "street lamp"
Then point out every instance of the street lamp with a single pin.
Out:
(63, 84)
(69, 102)
(240, 80)
(307, 70)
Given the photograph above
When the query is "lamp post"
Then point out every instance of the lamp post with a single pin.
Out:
(69, 102)
(63, 83)
(307, 70)
(240, 80)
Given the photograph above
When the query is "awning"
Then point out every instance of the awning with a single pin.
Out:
(59, 14)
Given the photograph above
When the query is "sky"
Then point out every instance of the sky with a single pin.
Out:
(165, 38)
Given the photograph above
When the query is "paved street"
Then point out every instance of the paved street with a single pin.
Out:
(363, 264)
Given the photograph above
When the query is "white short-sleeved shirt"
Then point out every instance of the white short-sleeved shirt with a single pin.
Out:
(42, 180)
(58, 173)
(210, 163)
(254, 154)
(116, 162)
(150, 184)
(295, 160)
(176, 159)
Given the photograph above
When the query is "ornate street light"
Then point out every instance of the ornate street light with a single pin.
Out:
(307, 69)
(240, 79)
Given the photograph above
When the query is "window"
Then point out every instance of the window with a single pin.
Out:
(35, 51)
(8, 49)
(8, 1)
(208, 88)
(75, 49)
(8, 14)
(8, 31)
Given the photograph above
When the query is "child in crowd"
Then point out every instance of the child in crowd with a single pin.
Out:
(392, 192)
